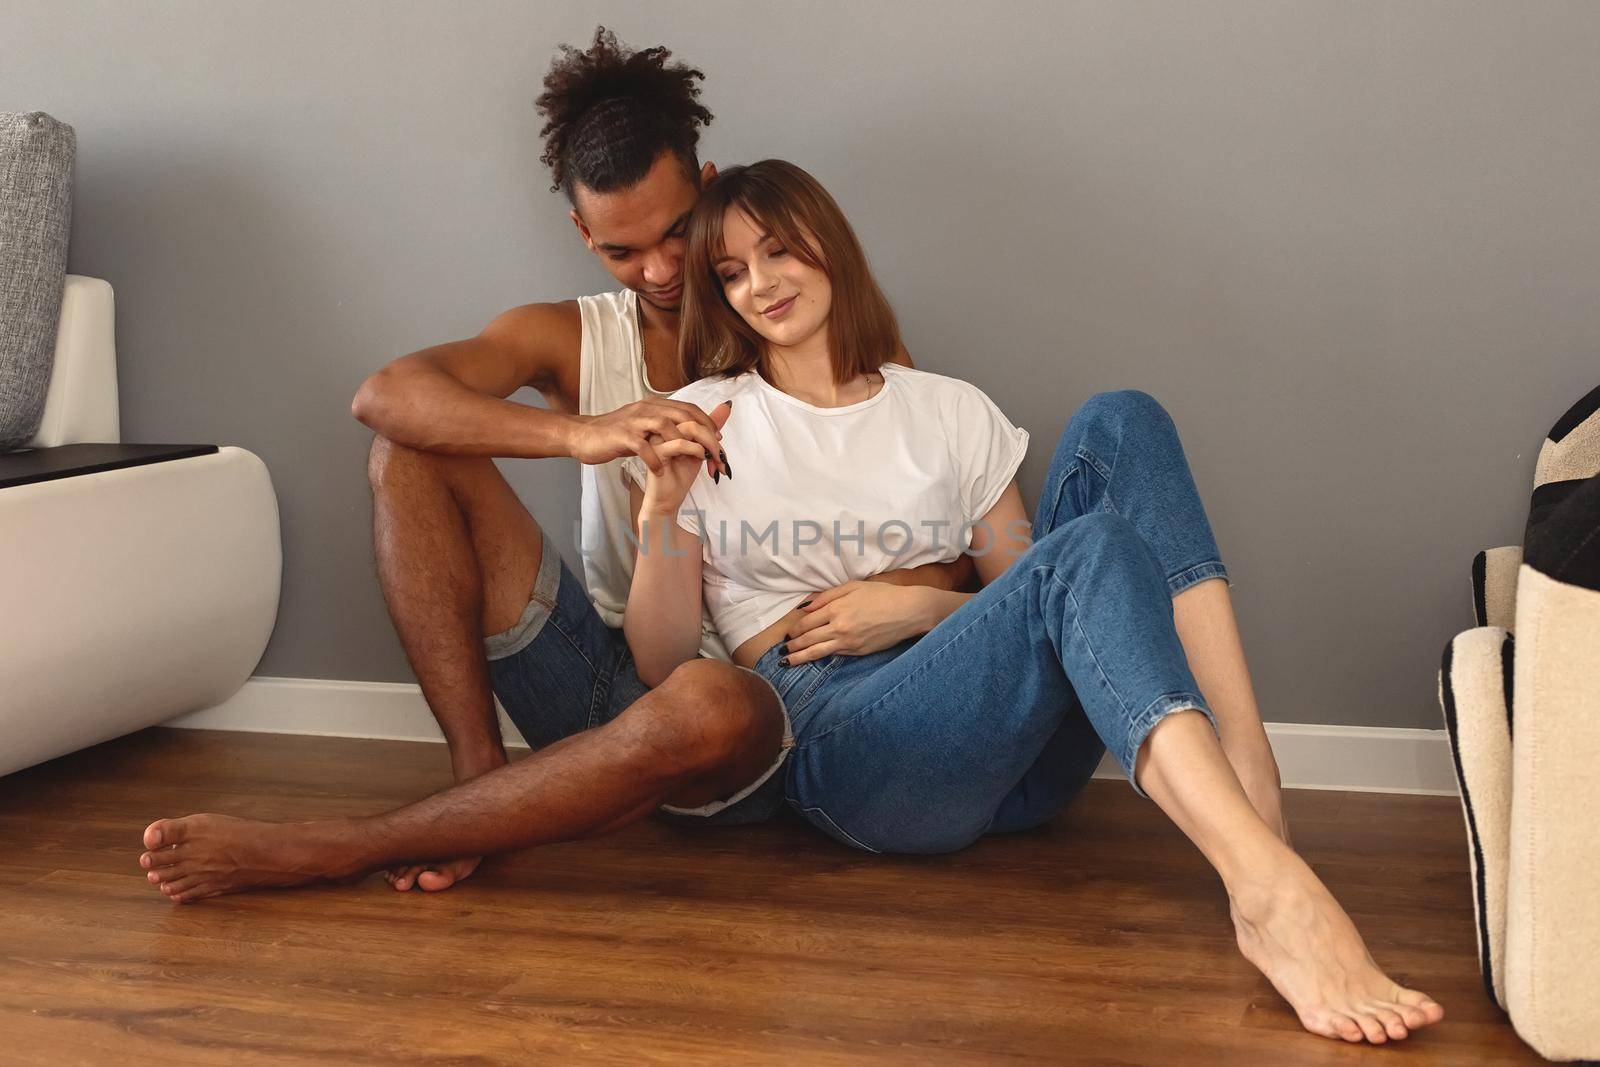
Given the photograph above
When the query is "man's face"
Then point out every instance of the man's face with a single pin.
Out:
(638, 232)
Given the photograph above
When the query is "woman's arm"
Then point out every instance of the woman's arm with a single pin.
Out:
(998, 540)
(1001, 536)
(662, 619)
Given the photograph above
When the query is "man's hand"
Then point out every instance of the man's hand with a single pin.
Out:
(855, 619)
(626, 432)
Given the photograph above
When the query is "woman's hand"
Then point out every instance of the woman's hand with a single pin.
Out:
(628, 430)
(680, 466)
(679, 462)
(854, 619)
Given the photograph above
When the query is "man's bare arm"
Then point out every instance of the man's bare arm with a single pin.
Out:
(450, 398)
(960, 575)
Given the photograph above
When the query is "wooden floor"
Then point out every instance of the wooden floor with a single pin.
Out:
(1102, 938)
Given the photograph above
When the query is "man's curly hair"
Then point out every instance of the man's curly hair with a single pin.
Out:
(612, 112)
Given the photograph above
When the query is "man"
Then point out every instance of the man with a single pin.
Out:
(482, 602)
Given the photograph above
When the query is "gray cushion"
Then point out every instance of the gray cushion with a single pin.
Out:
(36, 157)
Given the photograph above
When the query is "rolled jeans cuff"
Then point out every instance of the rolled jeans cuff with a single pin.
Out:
(1146, 721)
(1196, 574)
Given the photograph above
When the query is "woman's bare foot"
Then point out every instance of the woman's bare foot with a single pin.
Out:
(202, 856)
(1293, 930)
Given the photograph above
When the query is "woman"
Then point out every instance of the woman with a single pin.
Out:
(923, 719)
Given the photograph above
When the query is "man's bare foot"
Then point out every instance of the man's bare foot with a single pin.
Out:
(432, 877)
(1293, 930)
(202, 856)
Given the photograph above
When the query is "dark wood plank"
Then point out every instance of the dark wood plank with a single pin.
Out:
(1101, 938)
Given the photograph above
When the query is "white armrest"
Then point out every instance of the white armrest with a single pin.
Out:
(131, 596)
(81, 404)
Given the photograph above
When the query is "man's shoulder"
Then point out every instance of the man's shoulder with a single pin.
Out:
(539, 345)
(529, 321)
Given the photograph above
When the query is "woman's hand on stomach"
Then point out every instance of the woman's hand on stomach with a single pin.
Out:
(855, 619)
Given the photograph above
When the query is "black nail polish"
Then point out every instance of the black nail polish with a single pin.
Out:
(716, 477)
(805, 603)
(725, 462)
(785, 648)
(784, 662)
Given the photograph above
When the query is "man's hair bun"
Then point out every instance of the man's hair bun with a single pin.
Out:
(611, 112)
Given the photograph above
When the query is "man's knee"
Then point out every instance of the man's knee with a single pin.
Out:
(389, 463)
(388, 460)
(710, 715)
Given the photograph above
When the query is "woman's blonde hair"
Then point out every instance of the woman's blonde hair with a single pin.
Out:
(786, 202)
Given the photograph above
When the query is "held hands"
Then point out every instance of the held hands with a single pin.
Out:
(637, 429)
(679, 458)
(853, 619)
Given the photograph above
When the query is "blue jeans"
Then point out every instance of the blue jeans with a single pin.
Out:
(560, 670)
(996, 718)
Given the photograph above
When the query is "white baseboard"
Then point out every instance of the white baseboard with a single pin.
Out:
(1374, 759)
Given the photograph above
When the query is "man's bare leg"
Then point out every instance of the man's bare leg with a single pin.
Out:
(457, 555)
(704, 733)
(1203, 616)
(1287, 922)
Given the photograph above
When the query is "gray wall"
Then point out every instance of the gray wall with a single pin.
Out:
(1354, 247)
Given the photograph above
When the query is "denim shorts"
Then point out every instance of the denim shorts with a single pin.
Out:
(561, 670)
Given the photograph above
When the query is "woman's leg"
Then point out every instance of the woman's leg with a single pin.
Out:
(915, 754)
(1121, 452)
(1203, 616)
(1287, 922)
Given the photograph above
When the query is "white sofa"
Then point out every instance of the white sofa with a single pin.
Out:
(133, 592)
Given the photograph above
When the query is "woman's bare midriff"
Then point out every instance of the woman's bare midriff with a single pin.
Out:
(755, 647)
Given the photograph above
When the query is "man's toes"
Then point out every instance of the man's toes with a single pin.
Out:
(199, 891)
(166, 857)
(175, 888)
(432, 881)
(166, 874)
(1393, 1024)
(164, 832)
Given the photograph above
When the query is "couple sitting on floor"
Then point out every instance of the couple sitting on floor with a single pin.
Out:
(861, 625)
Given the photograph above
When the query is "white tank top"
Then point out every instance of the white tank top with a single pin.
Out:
(611, 374)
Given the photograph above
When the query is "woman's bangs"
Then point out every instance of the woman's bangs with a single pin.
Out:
(778, 219)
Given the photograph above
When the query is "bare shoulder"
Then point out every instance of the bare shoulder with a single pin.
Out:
(549, 333)
(536, 345)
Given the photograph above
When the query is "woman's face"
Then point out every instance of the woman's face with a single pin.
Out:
(778, 294)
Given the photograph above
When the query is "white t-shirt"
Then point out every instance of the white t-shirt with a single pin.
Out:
(823, 496)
